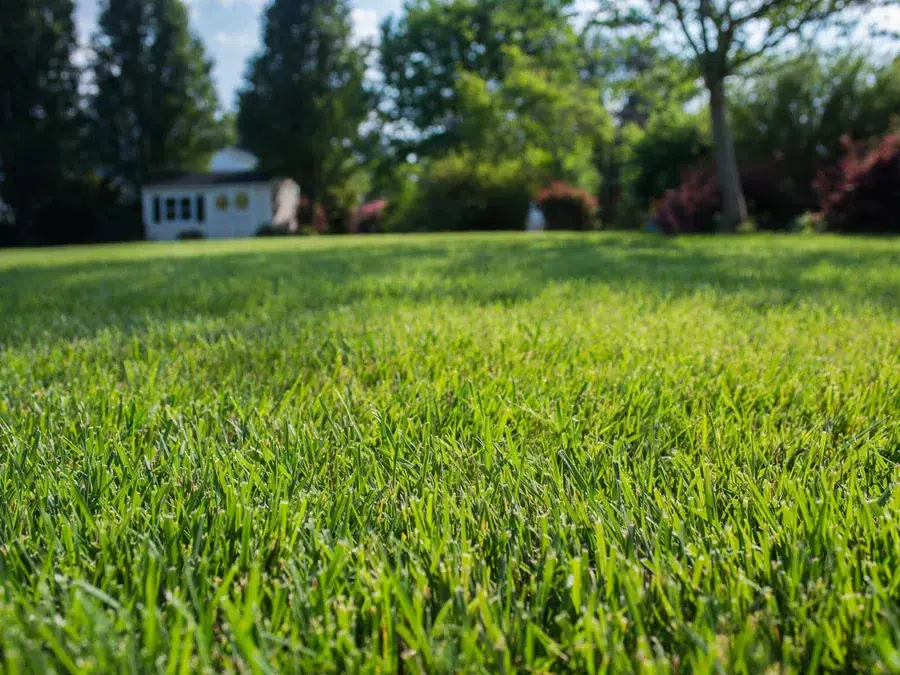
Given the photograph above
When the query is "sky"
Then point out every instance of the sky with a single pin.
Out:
(231, 30)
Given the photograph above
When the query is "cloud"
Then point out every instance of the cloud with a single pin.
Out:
(365, 24)
(237, 40)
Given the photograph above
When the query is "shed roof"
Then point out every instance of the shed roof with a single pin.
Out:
(186, 179)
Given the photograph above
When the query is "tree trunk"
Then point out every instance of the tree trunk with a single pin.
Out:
(734, 207)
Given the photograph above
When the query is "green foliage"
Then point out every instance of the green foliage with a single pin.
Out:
(403, 197)
(809, 223)
(451, 454)
(155, 107)
(719, 39)
(547, 119)
(304, 99)
(788, 125)
(40, 121)
(348, 181)
(424, 51)
(461, 192)
(656, 156)
(640, 78)
(800, 111)
(87, 209)
(639, 75)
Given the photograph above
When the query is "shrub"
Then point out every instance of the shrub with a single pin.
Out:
(368, 218)
(863, 194)
(692, 207)
(808, 223)
(459, 193)
(87, 209)
(8, 235)
(402, 210)
(190, 234)
(773, 200)
(270, 230)
(316, 218)
(657, 156)
(566, 207)
(800, 108)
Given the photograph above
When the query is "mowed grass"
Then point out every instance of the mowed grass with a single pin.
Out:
(603, 453)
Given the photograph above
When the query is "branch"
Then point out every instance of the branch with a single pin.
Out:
(760, 11)
(777, 34)
(679, 12)
(704, 14)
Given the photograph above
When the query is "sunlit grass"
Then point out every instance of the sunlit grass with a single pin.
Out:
(480, 453)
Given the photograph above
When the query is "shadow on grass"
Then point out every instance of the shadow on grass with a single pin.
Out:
(481, 270)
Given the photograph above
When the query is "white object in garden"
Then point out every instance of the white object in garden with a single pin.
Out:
(534, 221)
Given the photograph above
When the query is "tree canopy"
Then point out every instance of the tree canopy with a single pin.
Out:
(549, 120)
(40, 119)
(424, 51)
(305, 96)
(154, 107)
(719, 38)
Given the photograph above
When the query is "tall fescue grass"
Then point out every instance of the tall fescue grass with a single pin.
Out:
(587, 453)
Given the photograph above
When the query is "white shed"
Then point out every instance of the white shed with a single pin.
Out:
(233, 200)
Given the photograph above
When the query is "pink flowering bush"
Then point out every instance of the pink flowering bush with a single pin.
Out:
(863, 193)
(368, 218)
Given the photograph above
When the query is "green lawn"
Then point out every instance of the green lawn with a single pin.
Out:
(479, 453)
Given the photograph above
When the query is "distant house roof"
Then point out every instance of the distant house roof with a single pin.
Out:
(183, 179)
(233, 159)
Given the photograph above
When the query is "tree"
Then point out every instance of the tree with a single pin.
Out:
(657, 156)
(154, 107)
(424, 52)
(305, 97)
(514, 135)
(547, 119)
(643, 80)
(722, 37)
(638, 73)
(39, 113)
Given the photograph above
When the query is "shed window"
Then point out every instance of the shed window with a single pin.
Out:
(157, 210)
(201, 209)
(222, 202)
(170, 209)
(185, 208)
(242, 201)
